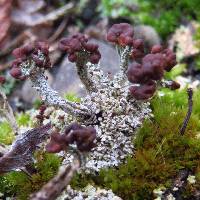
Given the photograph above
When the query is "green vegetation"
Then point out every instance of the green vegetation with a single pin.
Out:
(163, 15)
(176, 71)
(19, 184)
(6, 133)
(8, 87)
(23, 119)
(160, 152)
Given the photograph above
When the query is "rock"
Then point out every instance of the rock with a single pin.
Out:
(66, 79)
(27, 93)
(148, 34)
(98, 30)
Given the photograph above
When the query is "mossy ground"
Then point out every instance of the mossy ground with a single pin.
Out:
(164, 15)
(21, 185)
(18, 183)
(6, 133)
(160, 153)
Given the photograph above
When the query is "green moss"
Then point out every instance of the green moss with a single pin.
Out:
(20, 185)
(23, 119)
(177, 70)
(37, 103)
(47, 164)
(164, 15)
(81, 180)
(6, 133)
(160, 151)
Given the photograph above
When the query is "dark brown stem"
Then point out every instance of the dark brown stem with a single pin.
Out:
(189, 112)
(178, 185)
(59, 30)
(55, 186)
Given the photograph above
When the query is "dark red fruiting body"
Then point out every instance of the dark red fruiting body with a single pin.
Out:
(175, 85)
(16, 72)
(41, 115)
(22, 52)
(150, 69)
(37, 52)
(79, 43)
(144, 91)
(56, 143)
(121, 34)
(170, 59)
(156, 49)
(138, 49)
(43, 108)
(83, 137)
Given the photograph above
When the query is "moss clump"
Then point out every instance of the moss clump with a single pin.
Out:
(20, 185)
(160, 151)
(23, 119)
(176, 71)
(164, 15)
(6, 133)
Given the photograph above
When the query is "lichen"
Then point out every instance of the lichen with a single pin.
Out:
(160, 152)
(115, 125)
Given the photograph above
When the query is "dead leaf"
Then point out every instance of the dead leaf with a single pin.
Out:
(21, 17)
(5, 9)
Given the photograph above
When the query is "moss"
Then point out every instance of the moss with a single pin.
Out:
(176, 71)
(81, 181)
(6, 133)
(160, 151)
(47, 164)
(23, 119)
(20, 185)
(37, 103)
(8, 86)
(164, 15)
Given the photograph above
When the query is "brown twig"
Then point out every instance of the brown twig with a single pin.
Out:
(58, 32)
(56, 186)
(13, 44)
(45, 19)
(178, 185)
(189, 112)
